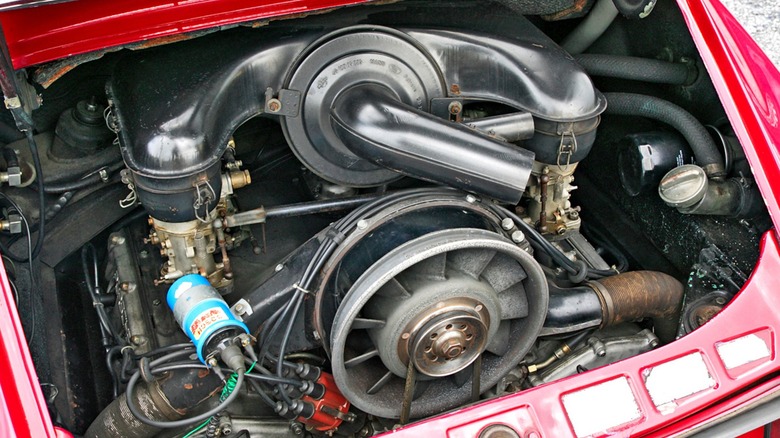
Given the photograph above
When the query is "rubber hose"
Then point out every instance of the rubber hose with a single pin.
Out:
(90, 180)
(641, 294)
(591, 28)
(639, 105)
(637, 69)
(11, 160)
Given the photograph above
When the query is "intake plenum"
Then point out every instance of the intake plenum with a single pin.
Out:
(377, 127)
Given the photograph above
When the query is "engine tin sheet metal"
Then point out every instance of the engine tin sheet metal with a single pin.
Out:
(757, 299)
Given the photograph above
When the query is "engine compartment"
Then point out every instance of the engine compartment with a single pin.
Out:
(341, 223)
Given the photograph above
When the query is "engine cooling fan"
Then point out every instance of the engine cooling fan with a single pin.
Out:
(446, 314)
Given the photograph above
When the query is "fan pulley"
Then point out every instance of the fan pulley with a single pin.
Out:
(437, 303)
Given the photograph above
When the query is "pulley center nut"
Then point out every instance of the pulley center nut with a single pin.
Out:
(448, 344)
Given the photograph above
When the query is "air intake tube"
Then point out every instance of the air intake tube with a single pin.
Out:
(620, 298)
(374, 125)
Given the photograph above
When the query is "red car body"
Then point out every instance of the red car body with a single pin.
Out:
(749, 88)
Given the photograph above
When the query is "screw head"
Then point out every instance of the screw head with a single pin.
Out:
(507, 224)
(362, 224)
(274, 105)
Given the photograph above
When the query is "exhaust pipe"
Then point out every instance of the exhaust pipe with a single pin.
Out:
(375, 126)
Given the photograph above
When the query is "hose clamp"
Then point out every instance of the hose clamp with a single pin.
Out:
(607, 305)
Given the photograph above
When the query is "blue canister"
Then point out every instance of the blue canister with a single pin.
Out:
(201, 312)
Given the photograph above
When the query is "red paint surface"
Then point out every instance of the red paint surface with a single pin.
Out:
(47, 33)
(758, 433)
(746, 81)
(23, 410)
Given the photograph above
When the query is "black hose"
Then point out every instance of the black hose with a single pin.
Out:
(283, 346)
(183, 422)
(638, 69)
(639, 105)
(94, 178)
(11, 159)
(94, 291)
(578, 271)
(41, 195)
(58, 205)
(29, 259)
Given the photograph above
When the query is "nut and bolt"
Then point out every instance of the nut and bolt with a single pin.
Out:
(13, 224)
(720, 301)
(156, 303)
(274, 105)
(455, 108)
(213, 362)
(471, 199)
(455, 89)
(296, 428)
(507, 224)
(518, 236)
(118, 240)
(653, 343)
(362, 224)
(278, 267)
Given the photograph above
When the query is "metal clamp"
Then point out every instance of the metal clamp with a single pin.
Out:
(566, 148)
(205, 196)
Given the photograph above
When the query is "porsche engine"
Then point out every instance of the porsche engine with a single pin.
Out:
(341, 223)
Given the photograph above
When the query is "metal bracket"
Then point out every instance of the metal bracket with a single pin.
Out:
(286, 103)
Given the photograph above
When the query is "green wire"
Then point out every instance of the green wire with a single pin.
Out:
(194, 431)
(230, 385)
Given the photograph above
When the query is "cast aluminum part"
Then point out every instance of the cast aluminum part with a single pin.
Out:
(267, 428)
(597, 353)
(129, 296)
(189, 248)
(549, 191)
(688, 189)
